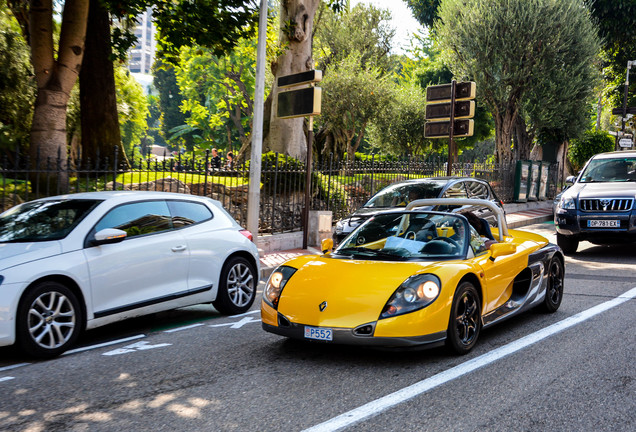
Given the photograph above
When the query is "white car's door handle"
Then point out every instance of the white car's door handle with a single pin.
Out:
(179, 248)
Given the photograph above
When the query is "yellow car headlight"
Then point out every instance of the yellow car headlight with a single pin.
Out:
(415, 293)
(275, 285)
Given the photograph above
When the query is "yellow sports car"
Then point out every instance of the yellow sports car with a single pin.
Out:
(414, 278)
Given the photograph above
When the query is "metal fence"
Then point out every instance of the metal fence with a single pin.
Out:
(338, 186)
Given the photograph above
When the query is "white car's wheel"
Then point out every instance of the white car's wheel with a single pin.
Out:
(237, 288)
(49, 320)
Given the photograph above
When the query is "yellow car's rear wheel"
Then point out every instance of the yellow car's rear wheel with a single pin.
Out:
(465, 319)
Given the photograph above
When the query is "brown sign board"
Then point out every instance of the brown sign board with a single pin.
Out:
(441, 111)
(302, 102)
(442, 93)
(441, 129)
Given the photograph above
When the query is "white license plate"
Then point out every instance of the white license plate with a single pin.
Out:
(325, 334)
(604, 223)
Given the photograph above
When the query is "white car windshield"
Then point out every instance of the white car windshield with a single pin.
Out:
(610, 170)
(407, 236)
(43, 220)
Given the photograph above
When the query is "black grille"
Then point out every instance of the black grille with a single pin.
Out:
(606, 205)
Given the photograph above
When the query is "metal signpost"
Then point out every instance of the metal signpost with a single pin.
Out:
(449, 112)
(301, 98)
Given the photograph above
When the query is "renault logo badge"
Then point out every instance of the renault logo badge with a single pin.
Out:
(322, 306)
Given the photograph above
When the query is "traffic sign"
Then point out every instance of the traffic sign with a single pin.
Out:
(442, 93)
(441, 111)
(441, 129)
(625, 142)
(299, 103)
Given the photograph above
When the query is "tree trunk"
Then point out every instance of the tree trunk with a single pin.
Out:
(98, 100)
(503, 135)
(55, 77)
(287, 135)
(523, 140)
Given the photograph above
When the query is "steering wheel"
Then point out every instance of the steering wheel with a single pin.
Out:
(453, 242)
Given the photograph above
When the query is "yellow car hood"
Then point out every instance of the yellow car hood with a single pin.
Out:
(355, 291)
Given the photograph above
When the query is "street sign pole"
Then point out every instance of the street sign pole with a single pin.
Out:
(451, 143)
(310, 147)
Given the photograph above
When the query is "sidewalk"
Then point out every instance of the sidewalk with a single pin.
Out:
(517, 215)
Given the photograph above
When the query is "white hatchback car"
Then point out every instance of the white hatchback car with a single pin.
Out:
(80, 261)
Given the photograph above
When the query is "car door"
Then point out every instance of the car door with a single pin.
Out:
(498, 277)
(204, 235)
(150, 266)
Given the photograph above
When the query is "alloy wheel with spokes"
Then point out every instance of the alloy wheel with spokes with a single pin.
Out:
(465, 320)
(237, 287)
(49, 320)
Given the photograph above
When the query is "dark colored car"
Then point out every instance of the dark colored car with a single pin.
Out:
(599, 206)
(399, 194)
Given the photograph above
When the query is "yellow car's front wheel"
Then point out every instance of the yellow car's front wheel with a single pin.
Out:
(465, 319)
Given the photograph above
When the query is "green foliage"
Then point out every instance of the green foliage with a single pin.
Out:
(399, 128)
(17, 86)
(616, 23)
(365, 31)
(132, 107)
(353, 97)
(592, 142)
(532, 55)
(425, 11)
(169, 102)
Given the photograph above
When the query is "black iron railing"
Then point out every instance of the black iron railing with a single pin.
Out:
(338, 186)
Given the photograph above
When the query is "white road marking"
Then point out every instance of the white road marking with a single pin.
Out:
(101, 345)
(6, 368)
(139, 346)
(182, 328)
(237, 324)
(8, 378)
(375, 407)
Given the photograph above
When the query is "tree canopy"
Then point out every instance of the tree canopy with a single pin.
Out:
(532, 55)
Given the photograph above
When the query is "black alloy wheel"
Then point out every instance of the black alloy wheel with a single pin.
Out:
(554, 288)
(465, 320)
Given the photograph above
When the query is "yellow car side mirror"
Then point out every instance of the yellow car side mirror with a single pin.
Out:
(501, 249)
(326, 245)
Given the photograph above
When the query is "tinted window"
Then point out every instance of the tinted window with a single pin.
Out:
(186, 213)
(138, 218)
(399, 195)
(43, 220)
(477, 190)
(456, 191)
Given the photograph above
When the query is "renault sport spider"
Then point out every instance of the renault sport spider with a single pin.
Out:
(414, 278)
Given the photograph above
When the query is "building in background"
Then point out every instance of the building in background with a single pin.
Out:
(141, 56)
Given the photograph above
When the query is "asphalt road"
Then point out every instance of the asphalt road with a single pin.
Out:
(194, 370)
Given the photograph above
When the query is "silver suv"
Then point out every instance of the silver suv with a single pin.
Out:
(599, 206)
